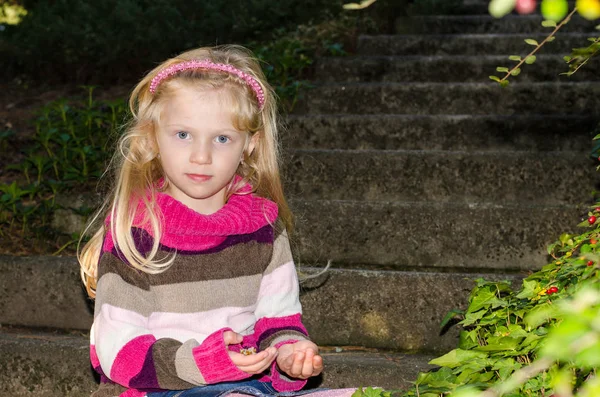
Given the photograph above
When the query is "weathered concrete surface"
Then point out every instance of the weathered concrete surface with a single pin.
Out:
(453, 98)
(527, 24)
(420, 234)
(409, 175)
(442, 132)
(43, 291)
(440, 68)
(383, 309)
(465, 44)
(390, 371)
(47, 365)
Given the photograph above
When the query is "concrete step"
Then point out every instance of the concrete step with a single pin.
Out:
(49, 365)
(453, 98)
(465, 68)
(549, 178)
(528, 24)
(441, 132)
(467, 44)
(397, 310)
(418, 235)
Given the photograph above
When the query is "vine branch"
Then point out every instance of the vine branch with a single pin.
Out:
(536, 49)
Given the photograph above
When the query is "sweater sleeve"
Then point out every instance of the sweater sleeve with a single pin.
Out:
(124, 348)
(278, 310)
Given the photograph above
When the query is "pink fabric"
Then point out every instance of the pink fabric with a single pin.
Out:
(94, 357)
(130, 359)
(132, 393)
(266, 323)
(279, 383)
(209, 65)
(324, 393)
(213, 360)
(187, 229)
(280, 281)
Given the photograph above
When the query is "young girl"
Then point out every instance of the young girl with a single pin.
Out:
(196, 290)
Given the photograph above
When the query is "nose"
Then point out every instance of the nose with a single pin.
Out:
(201, 154)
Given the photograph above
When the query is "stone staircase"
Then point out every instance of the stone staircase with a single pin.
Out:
(409, 170)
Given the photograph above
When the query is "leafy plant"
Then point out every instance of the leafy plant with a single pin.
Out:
(578, 57)
(527, 342)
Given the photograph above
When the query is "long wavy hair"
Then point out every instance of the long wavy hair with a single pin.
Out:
(137, 168)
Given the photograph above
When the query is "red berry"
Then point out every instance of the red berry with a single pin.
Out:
(525, 6)
(590, 263)
(592, 220)
(593, 241)
(552, 290)
(597, 209)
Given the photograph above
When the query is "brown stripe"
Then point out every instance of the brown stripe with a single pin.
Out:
(111, 264)
(244, 259)
(164, 352)
(288, 334)
(199, 296)
(282, 253)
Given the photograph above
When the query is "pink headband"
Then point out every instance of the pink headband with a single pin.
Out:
(194, 64)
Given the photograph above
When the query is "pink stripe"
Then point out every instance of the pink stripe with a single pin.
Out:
(266, 323)
(213, 360)
(133, 393)
(202, 323)
(130, 359)
(279, 281)
(94, 357)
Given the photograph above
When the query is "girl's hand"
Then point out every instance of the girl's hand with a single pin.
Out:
(300, 360)
(252, 364)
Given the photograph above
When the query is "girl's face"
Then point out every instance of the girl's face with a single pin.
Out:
(199, 148)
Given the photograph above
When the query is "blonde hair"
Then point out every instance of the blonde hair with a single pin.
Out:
(137, 168)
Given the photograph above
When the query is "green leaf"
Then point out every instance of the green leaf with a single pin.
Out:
(495, 78)
(466, 391)
(504, 83)
(550, 39)
(531, 42)
(450, 315)
(456, 357)
(471, 318)
(567, 58)
(548, 24)
(502, 69)
(500, 343)
(539, 315)
(530, 59)
(515, 58)
(484, 297)
(516, 72)
(529, 290)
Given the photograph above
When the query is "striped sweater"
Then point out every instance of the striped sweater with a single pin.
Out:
(164, 331)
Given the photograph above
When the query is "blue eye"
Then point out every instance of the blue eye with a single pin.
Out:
(183, 135)
(222, 139)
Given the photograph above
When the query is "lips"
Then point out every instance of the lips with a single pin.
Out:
(199, 177)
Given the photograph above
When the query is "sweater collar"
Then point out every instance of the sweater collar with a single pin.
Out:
(243, 213)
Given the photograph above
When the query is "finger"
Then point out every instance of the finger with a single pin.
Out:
(241, 360)
(284, 362)
(307, 366)
(296, 370)
(261, 365)
(231, 338)
(258, 367)
(317, 365)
